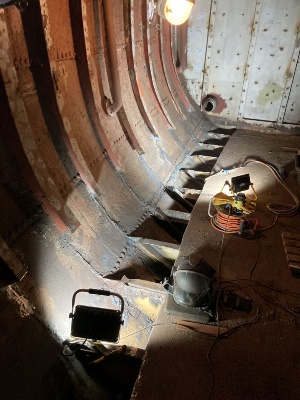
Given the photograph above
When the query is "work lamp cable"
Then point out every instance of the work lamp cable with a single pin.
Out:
(278, 208)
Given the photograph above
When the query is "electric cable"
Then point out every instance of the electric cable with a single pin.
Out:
(147, 327)
(267, 299)
(256, 260)
(276, 304)
(261, 284)
(212, 377)
(252, 320)
(75, 351)
(231, 224)
(270, 226)
(253, 281)
(279, 208)
(156, 324)
(82, 344)
(254, 284)
(218, 336)
(234, 223)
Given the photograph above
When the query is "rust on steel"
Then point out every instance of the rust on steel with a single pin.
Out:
(130, 60)
(142, 68)
(68, 94)
(182, 33)
(168, 103)
(11, 137)
(158, 76)
(170, 72)
(76, 18)
(45, 81)
(112, 126)
(27, 120)
(143, 77)
(116, 103)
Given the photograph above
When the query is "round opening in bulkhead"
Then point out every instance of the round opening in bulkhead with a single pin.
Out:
(209, 103)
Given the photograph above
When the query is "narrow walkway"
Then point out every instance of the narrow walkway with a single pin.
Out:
(258, 361)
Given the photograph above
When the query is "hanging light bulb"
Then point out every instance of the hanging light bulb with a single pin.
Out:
(175, 11)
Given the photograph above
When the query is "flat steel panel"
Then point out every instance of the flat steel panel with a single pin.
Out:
(292, 114)
(231, 39)
(196, 47)
(273, 53)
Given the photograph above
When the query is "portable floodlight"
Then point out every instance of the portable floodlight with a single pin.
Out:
(96, 323)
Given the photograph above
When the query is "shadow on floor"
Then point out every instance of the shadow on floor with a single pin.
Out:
(33, 367)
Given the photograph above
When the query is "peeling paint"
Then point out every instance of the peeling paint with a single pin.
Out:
(55, 203)
(220, 102)
(269, 93)
(46, 24)
(66, 122)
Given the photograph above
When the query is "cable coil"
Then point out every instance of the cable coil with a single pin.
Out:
(233, 223)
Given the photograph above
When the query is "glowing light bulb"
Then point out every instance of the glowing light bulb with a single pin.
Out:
(178, 11)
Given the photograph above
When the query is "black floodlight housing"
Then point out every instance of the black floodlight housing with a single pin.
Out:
(96, 323)
(240, 183)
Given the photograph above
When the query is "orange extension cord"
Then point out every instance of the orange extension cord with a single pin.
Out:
(232, 223)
